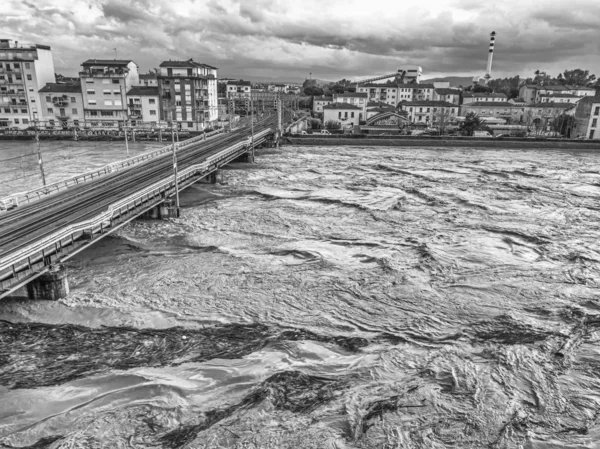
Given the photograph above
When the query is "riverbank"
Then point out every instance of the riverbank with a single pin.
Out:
(409, 141)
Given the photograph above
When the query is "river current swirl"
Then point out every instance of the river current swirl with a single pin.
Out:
(329, 297)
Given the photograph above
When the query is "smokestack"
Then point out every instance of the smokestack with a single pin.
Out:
(488, 72)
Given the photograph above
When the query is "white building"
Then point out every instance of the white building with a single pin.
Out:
(319, 102)
(143, 105)
(239, 88)
(393, 93)
(24, 70)
(424, 111)
(480, 97)
(104, 85)
(343, 113)
(355, 98)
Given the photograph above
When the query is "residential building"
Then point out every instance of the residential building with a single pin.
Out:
(24, 70)
(496, 109)
(283, 88)
(239, 88)
(517, 102)
(556, 93)
(356, 98)
(558, 98)
(143, 105)
(478, 97)
(424, 111)
(343, 113)
(394, 93)
(587, 119)
(61, 105)
(543, 114)
(104, 85)
(188, 94)
(149, 79)
(319, 102)
(446, 94)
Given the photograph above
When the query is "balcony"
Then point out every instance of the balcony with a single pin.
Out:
(102, 74)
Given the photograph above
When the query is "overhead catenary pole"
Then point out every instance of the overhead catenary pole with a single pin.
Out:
(39, 153)
(252, 124)
(175, 171)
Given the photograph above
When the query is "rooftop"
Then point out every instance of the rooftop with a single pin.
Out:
(551, 104)
(148, 76)
(439, 104)
(559, 95)
(351, 95)
(447, 91)
(239, 83)
(62, 87)
(143, 91)
(490, 104)
(324, 98)
(107, 62)
(189, 63)
(341, 106)
(483, 95)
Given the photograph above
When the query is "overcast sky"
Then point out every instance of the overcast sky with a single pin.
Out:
(333, 39)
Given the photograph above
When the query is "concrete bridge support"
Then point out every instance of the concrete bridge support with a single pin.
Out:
(166, 209)
(52, 285)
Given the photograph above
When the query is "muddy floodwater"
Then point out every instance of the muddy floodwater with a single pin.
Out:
(329, 298)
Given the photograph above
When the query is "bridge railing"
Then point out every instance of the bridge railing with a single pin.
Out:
(32, 195)
(105, 217)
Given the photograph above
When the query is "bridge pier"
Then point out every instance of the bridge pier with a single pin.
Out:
(52, 285)
(166, 209)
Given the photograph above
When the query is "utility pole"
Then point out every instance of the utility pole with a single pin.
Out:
(39, 153)
(252, 124)
(123, 102)
(175, 170)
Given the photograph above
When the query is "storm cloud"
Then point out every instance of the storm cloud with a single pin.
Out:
(332, 39)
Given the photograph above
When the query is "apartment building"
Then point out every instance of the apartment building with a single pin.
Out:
(319, 102)
(587, 117)
(495, 109)
(24, 70)
(533, 93)
(148, 79)
(61, 105)
(104, 85)
(480, 97)
(446, 94)
(355, 98)
(143, 105)
(393, 93)
(424, 111)
(188, 94)
(239, 88)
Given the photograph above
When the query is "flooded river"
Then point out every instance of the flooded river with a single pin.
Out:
(329, 298)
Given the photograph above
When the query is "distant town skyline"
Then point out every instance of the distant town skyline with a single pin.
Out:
(277, 40)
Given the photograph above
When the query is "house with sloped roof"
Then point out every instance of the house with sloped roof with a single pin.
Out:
(424, 111)
(143, 105)
(343, 113)
(474, 97)
(61, 104)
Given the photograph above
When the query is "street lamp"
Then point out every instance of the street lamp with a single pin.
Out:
(175, 169)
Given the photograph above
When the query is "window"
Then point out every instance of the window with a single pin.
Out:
(23, 111)
(73, 100)
(106, 113)
(597, 110)
(108, 103)
(50, 111)
(94, 113)
(340, 114)
(107, 92)
(190, 124)
(17, 122)
(89, 81)
(152, 112)
(29, 78)
(178, 103)
(32, 100)
(352, 114)
(27, 65)
(17, 65)
(594, 123)
(92, 102)
(115, 81)
(74, 111)
(25, 121)
(151, 101)
(117, 92)
(591, 133)
(91, 92)
(7, 110)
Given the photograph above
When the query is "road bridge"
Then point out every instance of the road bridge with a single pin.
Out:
(41, 229)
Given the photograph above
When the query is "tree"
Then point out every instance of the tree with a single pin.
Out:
(578, 77)
(562, 123)
(313, 91)
(471, 123)
(441, 119)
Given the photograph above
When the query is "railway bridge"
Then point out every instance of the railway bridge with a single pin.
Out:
(41, 229)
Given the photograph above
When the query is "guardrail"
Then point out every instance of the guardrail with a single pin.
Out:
(32, 195)
(106, 217)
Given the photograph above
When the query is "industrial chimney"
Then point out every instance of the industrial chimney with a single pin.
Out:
(488, 72)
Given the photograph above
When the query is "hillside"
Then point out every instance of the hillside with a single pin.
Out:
(455, 81)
